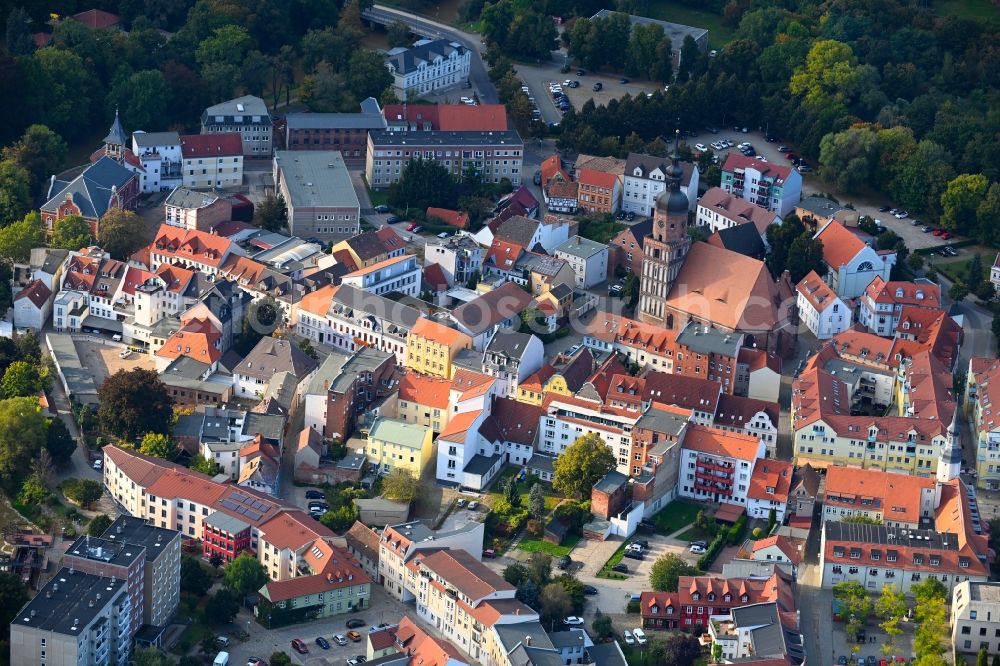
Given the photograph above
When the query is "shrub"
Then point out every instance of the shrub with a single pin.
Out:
(756, 532)
(536, 527)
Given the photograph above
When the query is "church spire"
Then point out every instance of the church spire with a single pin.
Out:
(950, 461)
(114, 142)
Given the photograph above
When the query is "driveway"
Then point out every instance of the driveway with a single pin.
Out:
(102, 357)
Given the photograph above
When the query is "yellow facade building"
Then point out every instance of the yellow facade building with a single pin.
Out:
(431, 347)
(394, 444)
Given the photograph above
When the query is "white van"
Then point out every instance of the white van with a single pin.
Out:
(116, 337)
(221, 659)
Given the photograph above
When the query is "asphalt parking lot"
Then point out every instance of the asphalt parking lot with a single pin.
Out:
(103, 359)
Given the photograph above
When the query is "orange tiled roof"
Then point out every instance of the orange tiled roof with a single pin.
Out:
(439, 333)
(771, 474)
(816, 292)
(465, 573)
(293, 530)
(191, 244)
(595, 178)
(840, 245)
(904, 293)
(424, 390)
(768, 169)
(717, 442)
(783, 543)
(471, 384)
(452, 217)
(336, 569)
(318, 302)
(896, 496)
(197, 339)
(458, 425)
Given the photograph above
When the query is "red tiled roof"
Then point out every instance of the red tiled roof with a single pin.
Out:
(465, 573)
(712, 591)
(36, 292)
(597, 178)
(221, 144)
(435, 278)
(717, 442)
(292, 530)
(192, 245)
(896, 496)
(840, 245)
(775, 475)
(458, 425)
(435, 332)
(782, 543)
(453, 217)
(197, 339)
(769, 170)
(339, 570)
(424, 390)
(817, 293)
(664, 604)
(451, 117)
(471, 384)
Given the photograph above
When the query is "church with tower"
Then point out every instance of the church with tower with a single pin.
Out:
(109, 181)
(684, 281)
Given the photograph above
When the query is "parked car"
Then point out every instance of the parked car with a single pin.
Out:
(589, 589)
(318, 505)
(460, 503)
(564, 562)
(299, 646)
(393, 219)
(417, 229)
(697, 550)
(842, 660)
(870, 660)
(473, 505)
(125, 353)
(574, 84)
(883, 209)
(355, 622)
(340, 640)
(322, 642)
(573, 621)
(489, 553)
(411, 226)
(640, 636)
(354, 636)
(315, 494)
(938, 232)
(580, 72)
(623, 81)
(946, 235)
(926, 229)
(629, 638)
(538, 177)
(633, 548)
(790, 156)
(621, 567)
(642, 543)
(784, 149)
(598, 86)
(916, 223)
(634, 555)
(804, 168)
(699, 542)
(382, 208)
(700, 146)
(900, 215)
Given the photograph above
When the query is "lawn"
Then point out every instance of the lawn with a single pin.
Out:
(618, 556)
(718, 34)
(378, 197)
(535, 545)
(524, 490)
(958, 267)
(977, 10)
(675, 515)
(694, 534)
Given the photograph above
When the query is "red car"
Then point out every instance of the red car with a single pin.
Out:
(790, 156)
(938, 232)
(411, 226)
(946, 235)
(299, 646)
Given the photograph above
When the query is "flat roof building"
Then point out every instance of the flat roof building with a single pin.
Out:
(318, 192)
(247, 115)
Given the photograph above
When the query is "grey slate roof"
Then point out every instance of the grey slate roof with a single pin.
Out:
(481, 464)
(268, 426)
(518, 229)
(91, 190)
(611, 482)
(154, 139)
(252, 106)
(676, 32)
(406, 60)
(360, 303)
(271, 356)
(607, 654)
(316, 178)
(820, 206)
(512, 634)
(743, 238)
(578, 246)
(369, 118)
(511, 343)
(184, 197)
(116, 135)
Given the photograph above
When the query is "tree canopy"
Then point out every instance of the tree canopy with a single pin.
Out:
(121, 233)
(666, 570)
(581, 465)
(72, 233)
(133, 403)
(22, 436)
(245, 575)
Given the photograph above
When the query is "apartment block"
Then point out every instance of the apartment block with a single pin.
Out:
(975, 617)
(212, 160)
(774, 187)
(248, 116)
(318, 192)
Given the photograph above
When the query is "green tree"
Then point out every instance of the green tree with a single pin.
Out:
(59, 442)
(121, 232)
(33, 492)
(666, 571)
(581, 465)
(829, 76)
(915, 261)
(804, 255)
(222, 607)
(857, 605)
(987, 213)
(15, 191)
(399, 34)
(99, 525)
(133, 403)
(540, 569)
(40, 151)
(158, 445)
(83, 491)
(982, 659)
(245, 575)
(72, 233)
(602, 625)
(341, 518)
(325, 91)
(847, 158)
(641, 53)
(19, 41)
(143, 98)
(150, 656)
(574, 589)
(536, 501)
(515, 574)
(400, 485)
(423, 183)
(974, 274)
(19, 380)
(681, 650)
(511, 493)
(959, 290)
(367, 75)
(200, 463)
(280, 659)
(555, 604)
(227, 46)
(780, 237)
(921, 177)
(960, 202)
(22, 436)
(18, 238)
(271, 213)
(254, 72)
(60, 96)
(891, 607)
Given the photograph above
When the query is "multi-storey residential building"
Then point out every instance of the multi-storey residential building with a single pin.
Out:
(895, 500)
(625, 249)
(599, 191)
(395, 444)
(318, 192)
(665, 249)
(76, 618)
(485, 315)
(774, 187)
(701, 598)
(344, 132)
(431, 348)
(246, 115)
(400, 275)
(646, 178)
(851, 262)
(982, 386)
(717, 465)
(428, 66)
(512, 357)
(494, 155)
(881, 306)
(719, 209)
(356, 318)
(820, 309)
(190, 249)
(423, 400)
(759, 632)
(400, 544)
(587, 258)
(460, 258)
(445, 117)
(200, 211)
(769, 487)
(975, 617)
(212, 160)
(345, 387)
(113, 559)
(269, 357)
(160, 156)
(369, 247)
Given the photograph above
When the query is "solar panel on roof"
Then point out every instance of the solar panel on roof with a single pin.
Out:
(233, 506)
(253, 515)
(239, 497)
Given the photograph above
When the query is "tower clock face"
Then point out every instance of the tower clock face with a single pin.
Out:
(661, 224)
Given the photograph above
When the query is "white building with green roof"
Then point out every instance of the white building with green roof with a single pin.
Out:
(394, 444)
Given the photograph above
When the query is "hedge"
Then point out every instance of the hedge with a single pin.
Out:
(934, 248)
(720, 540)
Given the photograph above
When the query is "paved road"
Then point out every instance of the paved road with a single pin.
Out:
(428, 28)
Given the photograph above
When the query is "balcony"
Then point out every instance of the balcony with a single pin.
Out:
(711, 489)
(711, 479)
(715, 466)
